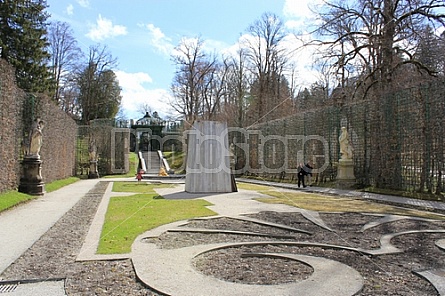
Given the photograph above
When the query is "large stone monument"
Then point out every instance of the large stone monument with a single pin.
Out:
(31, 181)
(208, 159)
(345, 169)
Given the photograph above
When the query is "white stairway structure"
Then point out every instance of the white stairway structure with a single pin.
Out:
(152, 162)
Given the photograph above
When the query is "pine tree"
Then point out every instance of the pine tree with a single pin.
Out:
(23, 43)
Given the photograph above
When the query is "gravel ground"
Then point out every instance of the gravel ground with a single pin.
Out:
(54, 254)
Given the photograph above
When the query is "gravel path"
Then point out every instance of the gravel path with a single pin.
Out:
(53, 256)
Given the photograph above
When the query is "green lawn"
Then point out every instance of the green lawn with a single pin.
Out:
(12, 198)
(60, 183)
(133, 166)
(137, 187)
(175, 160)
(129, 216)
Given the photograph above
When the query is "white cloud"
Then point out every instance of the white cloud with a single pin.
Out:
(70, 9)
(158, 39)
(303, 61)
(300, 57)
(299, 8)
(84, 3)
(300, 13)
(105, 29)
(134, 94)
(183, 43)
(133, 81)
(211, 46)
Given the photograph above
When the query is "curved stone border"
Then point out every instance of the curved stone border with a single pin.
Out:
(234, 232)
(315, 218)
(270, 224)
(436, 277)
(385, 242)
(256, 221)
(170, 271)
(391, 218)
(441, 244)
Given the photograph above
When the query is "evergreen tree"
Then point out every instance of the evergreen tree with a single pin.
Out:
(23, 42)
(110, 93)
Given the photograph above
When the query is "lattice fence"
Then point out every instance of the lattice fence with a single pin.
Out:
(398, 141)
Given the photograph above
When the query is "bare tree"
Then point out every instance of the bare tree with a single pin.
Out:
(65, 55)
(376, 39)
(99, 91)
(236, 94)
(267, 60)
(145, 108)
(69, 96)
(195, 82)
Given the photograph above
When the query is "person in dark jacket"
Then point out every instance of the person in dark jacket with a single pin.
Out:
(301, 175)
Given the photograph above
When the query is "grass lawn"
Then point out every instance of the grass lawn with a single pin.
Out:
(328, 203)
(129, 216)
(175, 160)
(12, 198)
(60, 183)
(133, 162)
(138, 187)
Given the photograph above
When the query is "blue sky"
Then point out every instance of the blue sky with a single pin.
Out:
(142, 33)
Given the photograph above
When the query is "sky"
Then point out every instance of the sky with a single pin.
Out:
(141, 35)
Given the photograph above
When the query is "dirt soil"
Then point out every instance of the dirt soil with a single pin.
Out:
(53, 256)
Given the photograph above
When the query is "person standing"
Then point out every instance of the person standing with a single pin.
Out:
(308, 170)
(301, 175)
(139, 175)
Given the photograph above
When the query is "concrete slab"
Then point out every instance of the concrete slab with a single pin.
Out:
(37, 288)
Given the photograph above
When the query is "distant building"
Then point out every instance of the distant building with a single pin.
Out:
(148, 133)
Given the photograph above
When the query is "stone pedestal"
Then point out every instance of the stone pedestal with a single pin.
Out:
(93, 173)
(31, 181)
(345, 173)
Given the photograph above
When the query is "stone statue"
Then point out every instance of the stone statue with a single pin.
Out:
(92, 151)
(35, 138)
(345, 147)
(92, 155)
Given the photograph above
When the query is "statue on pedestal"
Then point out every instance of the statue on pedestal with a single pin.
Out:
(345, 147)
(345, 169)
(35, 139)
(31, 181)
